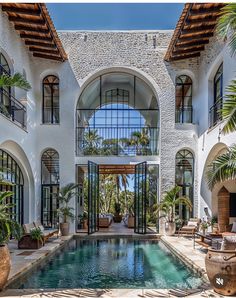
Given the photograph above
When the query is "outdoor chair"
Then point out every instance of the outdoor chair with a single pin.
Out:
(230, 230)
(191, 227)
(47, 233)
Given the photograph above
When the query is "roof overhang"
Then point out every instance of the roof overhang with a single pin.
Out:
(33, 23)
(195, 27)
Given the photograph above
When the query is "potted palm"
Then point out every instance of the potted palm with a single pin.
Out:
(65, 194)
(167, 206)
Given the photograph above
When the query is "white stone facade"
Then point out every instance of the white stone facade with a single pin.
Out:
(91, 54)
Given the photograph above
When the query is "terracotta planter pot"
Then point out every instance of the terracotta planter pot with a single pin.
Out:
(221, 270)
(117, 218)
(26, 242)
(5, 265)
(170, 228)
(85, 224)
(64, 227)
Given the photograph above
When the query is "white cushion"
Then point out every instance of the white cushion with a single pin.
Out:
(234, 227)
(192, 223)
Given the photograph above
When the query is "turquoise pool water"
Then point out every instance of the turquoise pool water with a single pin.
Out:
(112, 263)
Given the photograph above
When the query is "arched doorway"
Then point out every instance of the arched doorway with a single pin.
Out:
(11, 171)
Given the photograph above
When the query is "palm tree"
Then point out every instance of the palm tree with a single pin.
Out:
(140, 139)
(17, 80)
(226, 26)
(223, 167)
(169, 202)
(92, 142)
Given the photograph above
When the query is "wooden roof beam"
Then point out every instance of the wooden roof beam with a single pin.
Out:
(49, 51)
(31, 29)
(201, 20)
(191, 44)
(197, 36)
(207, 11)
(180, 57)
(198, 29)
(24, 11)
(193, 49)
(40, 44)
(27, 21)
(50, 57)
(37, 37)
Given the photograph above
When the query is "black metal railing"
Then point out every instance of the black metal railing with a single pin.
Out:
(122, 141)
(12, 108)
(215, 114)
(184, 114)
(51, 115)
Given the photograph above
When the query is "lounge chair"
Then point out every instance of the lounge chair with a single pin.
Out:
(230, 230)
(46, 233)
(191, 227)
(105, 220)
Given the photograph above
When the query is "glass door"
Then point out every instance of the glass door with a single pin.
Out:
(140, 198)
(93, 197)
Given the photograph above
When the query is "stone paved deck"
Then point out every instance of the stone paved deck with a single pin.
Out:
(21, 262)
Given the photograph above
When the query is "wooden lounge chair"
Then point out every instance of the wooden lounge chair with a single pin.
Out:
(190, 228)
(46, 233)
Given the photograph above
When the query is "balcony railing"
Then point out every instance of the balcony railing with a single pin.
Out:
(184, 114)
(215, 114)
(12, 108)
(122, 141)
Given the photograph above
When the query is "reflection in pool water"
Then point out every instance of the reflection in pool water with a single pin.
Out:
(113, 263)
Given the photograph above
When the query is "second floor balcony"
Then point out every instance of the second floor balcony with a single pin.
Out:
(215, 114)
(12, 108)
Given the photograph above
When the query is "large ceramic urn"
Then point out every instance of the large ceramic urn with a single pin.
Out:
(221, 271)
(64, 228)
(170, 228)
(5, 265)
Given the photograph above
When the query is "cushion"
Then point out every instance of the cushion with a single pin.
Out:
(233, 230)
(28, 227)
(192, 223)
(229, 243)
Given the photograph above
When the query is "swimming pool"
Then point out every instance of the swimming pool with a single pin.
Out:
(112, 263)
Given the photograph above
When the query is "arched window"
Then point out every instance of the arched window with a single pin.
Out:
(50, 180)
(5, 103)
(10, 171)
(51, 100)
(184, 177)
(183, 100)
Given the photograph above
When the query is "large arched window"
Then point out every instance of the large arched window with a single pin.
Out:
(50, 180)
(5, 103)
(184, 177)
(183, 100)
(10, 171)
(51, 100)
(215, 110)
(117, 114)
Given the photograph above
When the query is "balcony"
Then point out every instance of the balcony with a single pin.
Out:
(121, 141)
(215, 114)
(12, 108)
(184, 114)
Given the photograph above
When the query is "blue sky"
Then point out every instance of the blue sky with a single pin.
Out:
(114, 16)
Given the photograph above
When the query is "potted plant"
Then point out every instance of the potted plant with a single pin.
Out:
(8, 227)
(204, 226)
(37, 237)
(167, 206)
(65, 194)
(214, 224)
(117, 217)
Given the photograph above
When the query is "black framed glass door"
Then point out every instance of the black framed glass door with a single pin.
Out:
(140, 198)
(93, 197)
(50, 204)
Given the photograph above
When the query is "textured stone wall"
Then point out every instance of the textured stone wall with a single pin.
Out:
(142, 50)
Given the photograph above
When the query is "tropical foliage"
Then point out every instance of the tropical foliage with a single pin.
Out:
(226, 26)
(65, 195)
(229, 108)
(169, 202)
(222, 167)
(17, 80)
